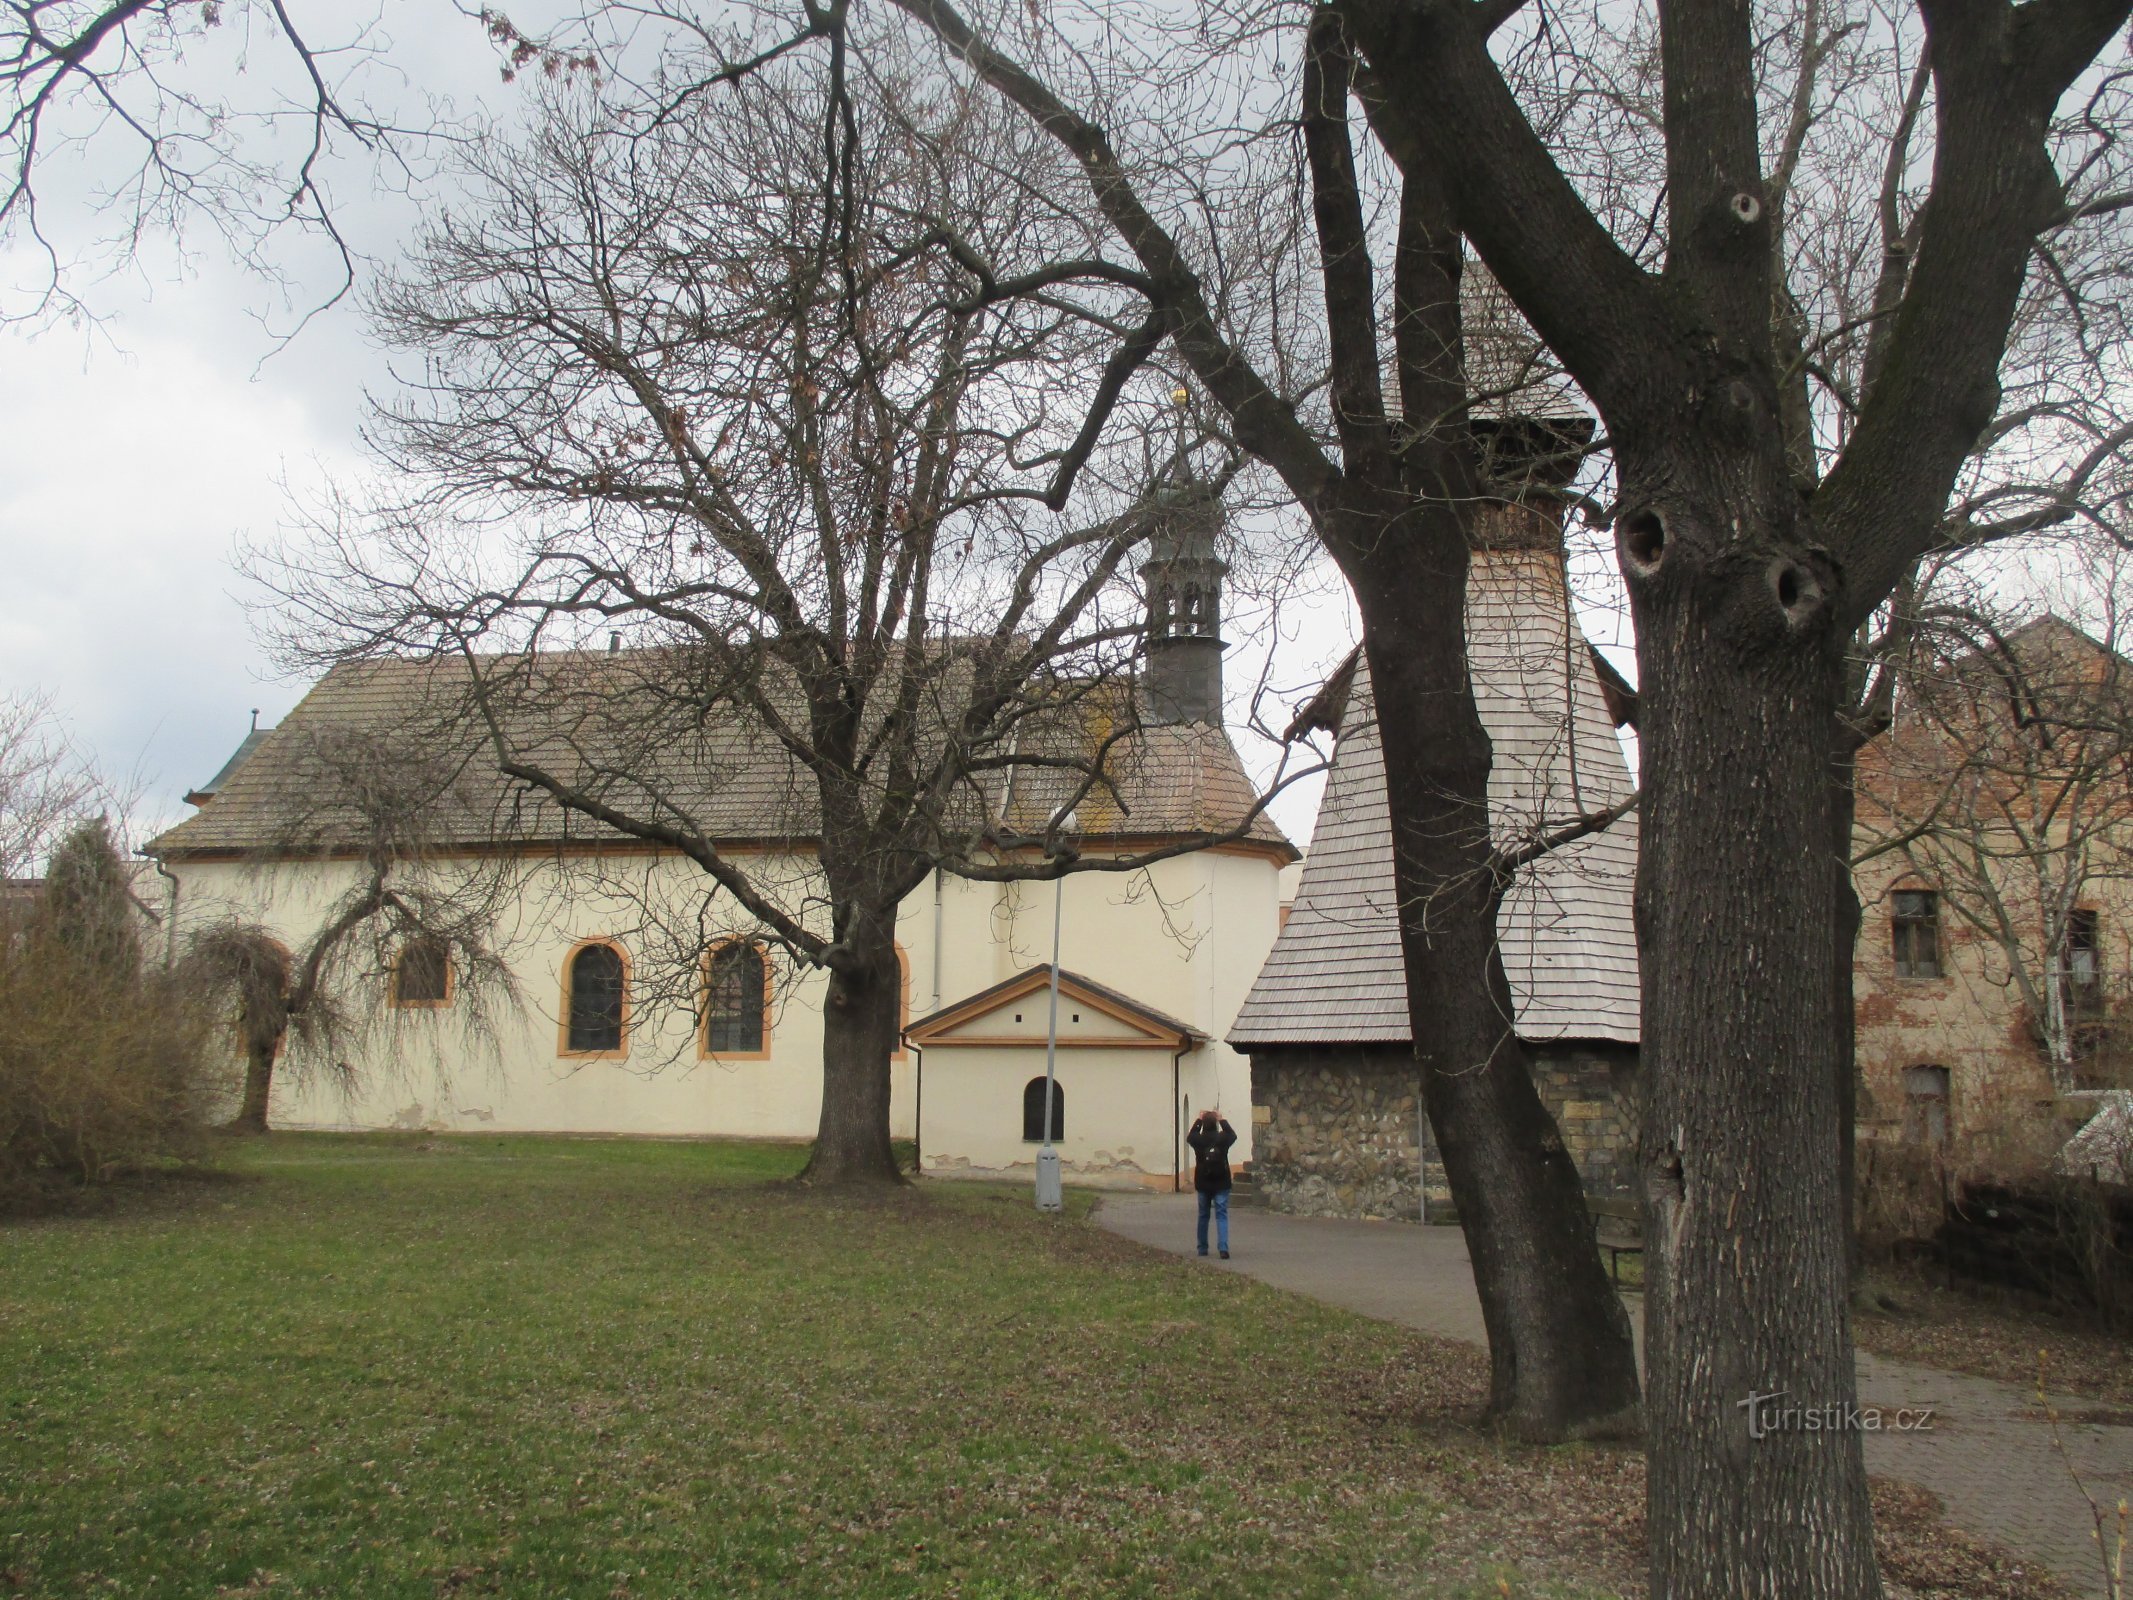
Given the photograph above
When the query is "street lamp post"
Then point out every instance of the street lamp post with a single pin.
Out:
(1049, 1197)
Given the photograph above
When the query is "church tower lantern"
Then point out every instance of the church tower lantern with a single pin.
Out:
(1183, 577)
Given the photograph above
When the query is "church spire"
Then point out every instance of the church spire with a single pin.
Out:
(1183, 575)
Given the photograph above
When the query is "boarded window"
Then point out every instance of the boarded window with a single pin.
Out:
(1925, 1105)
(1916, 927)
(596, 995)
(423, 974)
(1033, 1130)
(734, 1000)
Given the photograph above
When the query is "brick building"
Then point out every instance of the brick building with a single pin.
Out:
(1994, 866)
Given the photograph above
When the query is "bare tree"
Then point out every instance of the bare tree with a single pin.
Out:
(161, 115)
(46, 785)
(757, 380)
(414, 923)
(2004, 782)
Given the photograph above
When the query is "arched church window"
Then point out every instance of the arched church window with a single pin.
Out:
(1033, 1111)
(736, 999)
(596, 991)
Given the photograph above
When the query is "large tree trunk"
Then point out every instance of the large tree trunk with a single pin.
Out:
(1743, 1131)
(860, 1020)
(259, 1057)
(1561, 1358)
(1844, 1037)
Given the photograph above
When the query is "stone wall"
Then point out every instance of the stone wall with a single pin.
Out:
(1338, 1134)
(1591, 1089)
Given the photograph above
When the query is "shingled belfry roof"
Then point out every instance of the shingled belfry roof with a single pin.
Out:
(1566, 928)
(581, 714)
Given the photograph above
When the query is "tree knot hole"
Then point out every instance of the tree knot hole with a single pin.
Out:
(1643, 541)
(1664, 1181)
(1747, 209)
(1798, 590)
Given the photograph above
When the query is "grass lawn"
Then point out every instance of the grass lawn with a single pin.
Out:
(382, 1366)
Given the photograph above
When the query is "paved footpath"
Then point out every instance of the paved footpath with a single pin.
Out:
(1988, 1455)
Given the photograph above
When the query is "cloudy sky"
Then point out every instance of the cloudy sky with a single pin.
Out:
(140, 453)
(137, 454)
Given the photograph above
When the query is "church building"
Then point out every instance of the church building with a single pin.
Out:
(602, 1039)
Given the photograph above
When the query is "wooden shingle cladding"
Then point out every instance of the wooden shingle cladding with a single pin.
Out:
(611, 721)
(214, 786)
(1567, 928)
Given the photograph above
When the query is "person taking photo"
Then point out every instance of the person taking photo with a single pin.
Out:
(1210, 1138)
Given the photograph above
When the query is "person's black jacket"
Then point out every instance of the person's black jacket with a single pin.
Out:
(1210, 1152)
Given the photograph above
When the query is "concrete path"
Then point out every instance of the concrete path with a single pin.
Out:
(1988, 1454)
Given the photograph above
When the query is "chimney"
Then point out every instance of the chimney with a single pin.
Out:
(1183, 679)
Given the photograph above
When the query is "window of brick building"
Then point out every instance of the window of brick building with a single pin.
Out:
(2084, 964)
(1915, 926)
(1925, 1105)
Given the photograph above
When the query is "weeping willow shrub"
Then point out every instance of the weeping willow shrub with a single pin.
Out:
(106, 1068)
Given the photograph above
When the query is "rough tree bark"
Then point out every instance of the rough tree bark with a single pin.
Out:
(861, 1017)
(258, 1086)
(1748, 1279)
(1744, 587)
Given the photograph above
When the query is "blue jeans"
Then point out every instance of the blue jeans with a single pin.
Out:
(1216, 1201)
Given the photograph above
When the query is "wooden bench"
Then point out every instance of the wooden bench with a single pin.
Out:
(1617, 1228)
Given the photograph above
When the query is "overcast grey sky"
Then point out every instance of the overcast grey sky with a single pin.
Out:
(138, 454)
(135, 455)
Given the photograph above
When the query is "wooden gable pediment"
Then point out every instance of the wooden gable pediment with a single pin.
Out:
(1017, 1012)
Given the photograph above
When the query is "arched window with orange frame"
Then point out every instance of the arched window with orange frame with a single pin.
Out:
(596, 980)
(735, 1014)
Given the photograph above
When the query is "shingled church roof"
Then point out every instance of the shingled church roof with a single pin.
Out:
(1566, 928)
(578, 713)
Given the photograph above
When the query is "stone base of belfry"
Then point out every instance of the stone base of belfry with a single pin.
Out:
(1338, 1130)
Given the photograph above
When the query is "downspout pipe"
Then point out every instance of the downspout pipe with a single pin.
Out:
(170, 928)
(938, 875)
(1177, 1159)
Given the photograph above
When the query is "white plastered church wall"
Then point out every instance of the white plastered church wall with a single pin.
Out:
(1184, 937)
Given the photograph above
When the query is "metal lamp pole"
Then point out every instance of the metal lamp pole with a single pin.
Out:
(1049, 1197)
